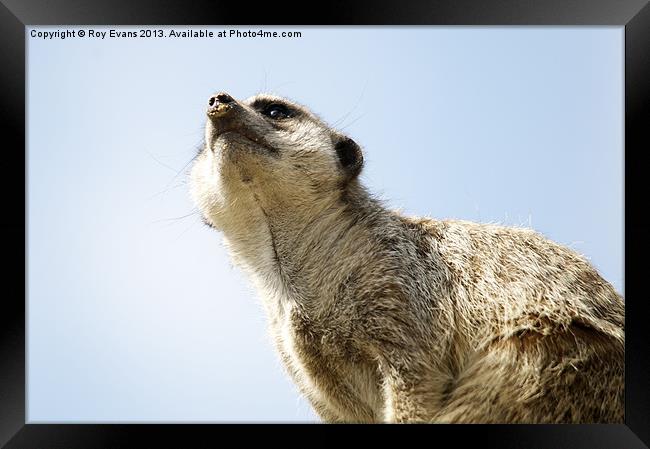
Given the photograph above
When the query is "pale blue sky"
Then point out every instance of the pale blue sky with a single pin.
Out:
(135, 316)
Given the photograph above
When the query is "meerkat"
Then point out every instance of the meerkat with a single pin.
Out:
(380, 317)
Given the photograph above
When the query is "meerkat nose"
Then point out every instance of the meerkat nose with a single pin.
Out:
(221, 97)
(220, 103)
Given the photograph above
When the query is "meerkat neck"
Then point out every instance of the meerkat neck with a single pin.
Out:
(306, 243)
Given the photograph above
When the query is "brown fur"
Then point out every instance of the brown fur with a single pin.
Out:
(380, 317)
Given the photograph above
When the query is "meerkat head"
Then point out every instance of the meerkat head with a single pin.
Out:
(268, 151)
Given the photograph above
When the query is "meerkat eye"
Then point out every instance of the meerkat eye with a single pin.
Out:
(277, 111)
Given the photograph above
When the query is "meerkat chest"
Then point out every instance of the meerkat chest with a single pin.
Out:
(326, 367)
(293, 354)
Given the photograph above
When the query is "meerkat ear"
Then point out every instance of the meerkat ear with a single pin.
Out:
(350, 156)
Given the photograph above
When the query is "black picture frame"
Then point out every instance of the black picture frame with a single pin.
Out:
(15, 15)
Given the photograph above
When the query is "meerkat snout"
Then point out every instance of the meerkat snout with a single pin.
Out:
(219, 104)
